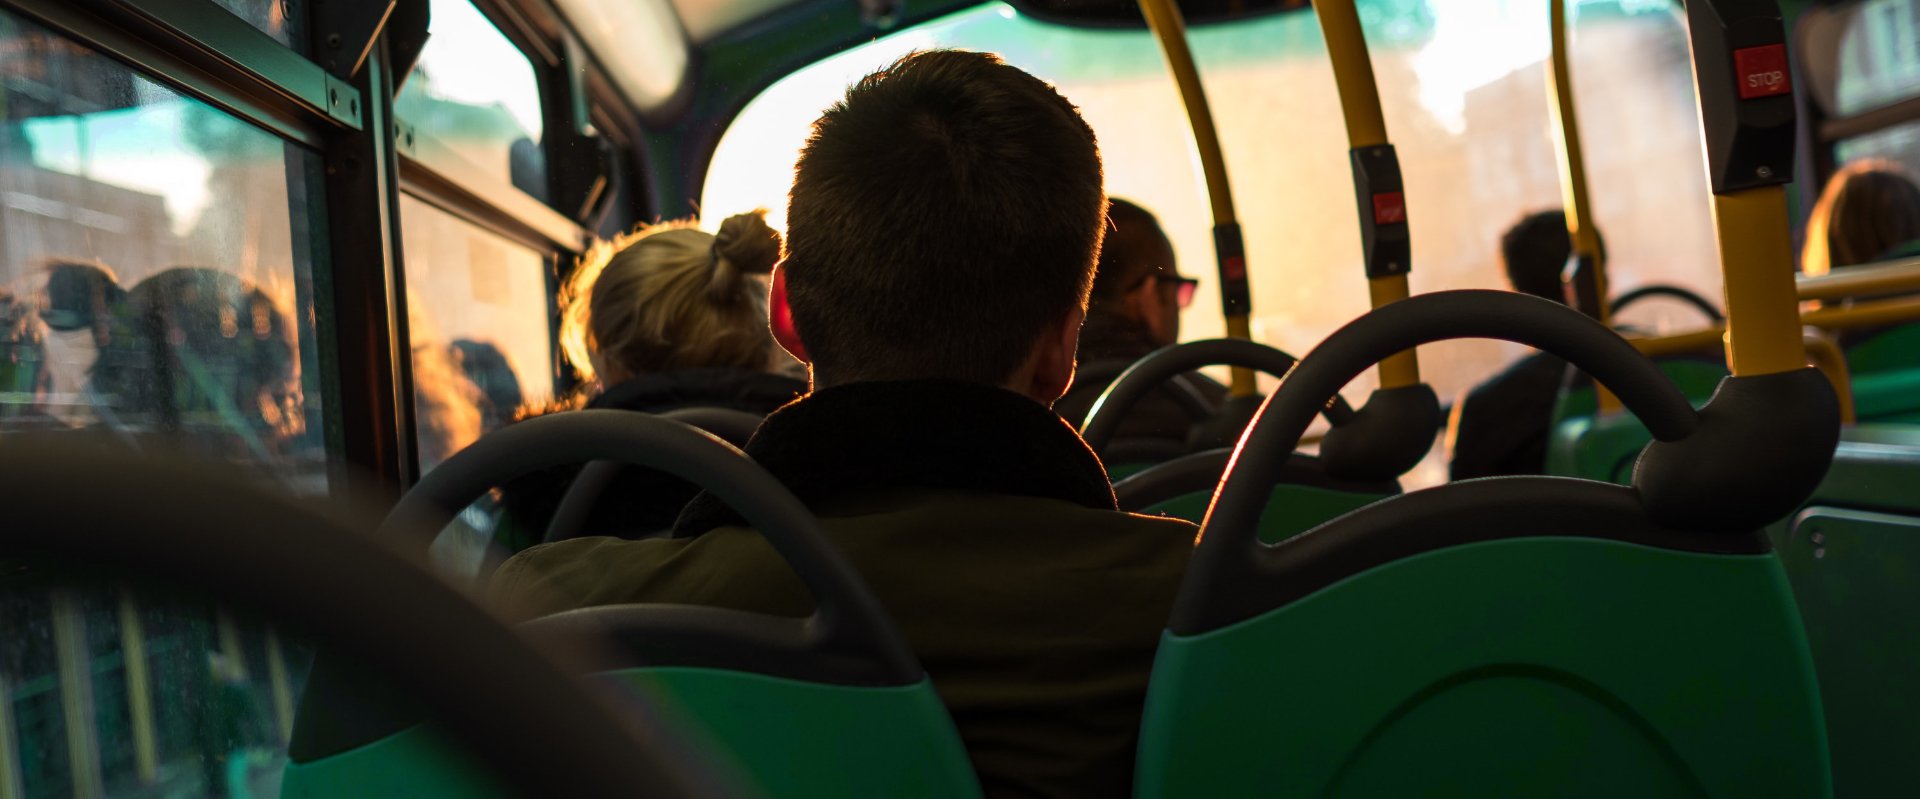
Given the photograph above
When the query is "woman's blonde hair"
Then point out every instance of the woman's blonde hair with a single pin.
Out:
(1868, 208)
(670, 296)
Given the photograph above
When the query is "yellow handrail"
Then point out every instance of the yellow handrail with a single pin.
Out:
(1867, 280)
(1163, 18)
(1366, 127)
(1871, 313)
(1575, 198)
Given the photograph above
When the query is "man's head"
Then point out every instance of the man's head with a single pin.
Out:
(1138, 280)
(1535, 250)
(944, 222)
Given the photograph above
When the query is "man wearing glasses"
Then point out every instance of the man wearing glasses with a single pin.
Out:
(1138, 294)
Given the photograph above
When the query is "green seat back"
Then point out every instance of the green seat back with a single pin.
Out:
(1582, 444)
(1696, 378)
(1567, 667)
(1853, 558)
(787, 737)
(1896, 350)
(1291, 509)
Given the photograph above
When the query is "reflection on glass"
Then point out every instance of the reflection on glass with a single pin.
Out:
(480, 319)
(155, 282)
(107, 693)
(1879, 55)
(156, 268)
(1900, 143)
(475, 98)
(1463, 87)
(280, 19)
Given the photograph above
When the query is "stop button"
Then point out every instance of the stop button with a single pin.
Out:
(1762, 71)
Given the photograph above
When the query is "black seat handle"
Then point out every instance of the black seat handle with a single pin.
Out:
(1681, 293)
(172, 525)
(576, 505)
(1229, 536)
(847, 616)
(1166, 363)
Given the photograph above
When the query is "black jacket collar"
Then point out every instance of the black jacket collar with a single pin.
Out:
(739, 389)
(859, 438)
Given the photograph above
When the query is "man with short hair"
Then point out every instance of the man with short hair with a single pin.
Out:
(944, 222)
(1138, 294)
(1501, 427)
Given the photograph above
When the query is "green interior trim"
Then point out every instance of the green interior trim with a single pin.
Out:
(786, 737)
(1852, 572)
(1895, 350)
(1696, 378)
(1565, 667)
(797, 738)
(1291, 509)
(416, 763)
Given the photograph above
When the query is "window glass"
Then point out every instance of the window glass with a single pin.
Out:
(1900, 143)
(475, 102)
(1463, 87)
(107, 693)
(156, 281)
(281, 19)
(482, 328)
(1879, 55)
(158, 264)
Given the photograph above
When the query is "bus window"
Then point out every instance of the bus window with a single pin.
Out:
(1879, 61)
(281, 19)
(481, 326)
(158, 267)
(474, 95)
(1463, 87)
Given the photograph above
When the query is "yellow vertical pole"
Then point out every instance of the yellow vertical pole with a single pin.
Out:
(1572, 159)
(1366, 127)
(1590, 272)
(1756, 258)
(76, 694)
(133, 650)
(12, 786)
(282, 686)
(1163, 18)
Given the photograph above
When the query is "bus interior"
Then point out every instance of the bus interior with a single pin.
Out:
(284, 298)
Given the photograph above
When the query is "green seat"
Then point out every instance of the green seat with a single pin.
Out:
(1304, 497)
(1512, 636)
(1852, 556)
(1542, 646)
(1584, 444)
(833, 704)
(1886, 376)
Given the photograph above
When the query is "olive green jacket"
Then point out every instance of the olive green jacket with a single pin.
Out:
(1036, 617)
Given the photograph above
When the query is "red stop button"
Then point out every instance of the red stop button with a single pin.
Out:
(1389, 208)
(1762, 71)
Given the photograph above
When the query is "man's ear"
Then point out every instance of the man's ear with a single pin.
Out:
(780, 317)
(1054, 360)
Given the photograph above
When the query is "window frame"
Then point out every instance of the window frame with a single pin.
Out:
(200, 49)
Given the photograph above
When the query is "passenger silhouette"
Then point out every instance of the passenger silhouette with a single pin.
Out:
(200, 355)
(1501, 427)
(667, 317)
(1869, 211)
(490, 372)
(25, 379)
(1138, 294)
(943, 226)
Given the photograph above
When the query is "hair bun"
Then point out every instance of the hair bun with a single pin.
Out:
(748, 242)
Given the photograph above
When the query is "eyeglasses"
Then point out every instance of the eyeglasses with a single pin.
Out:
(1184, 287)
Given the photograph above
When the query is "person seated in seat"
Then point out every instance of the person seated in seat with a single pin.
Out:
(664, 318)
(944, 222)
(1869, 211)
(1501, 427)
(1138, 294)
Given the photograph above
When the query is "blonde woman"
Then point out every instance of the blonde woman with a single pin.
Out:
(664, 318)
